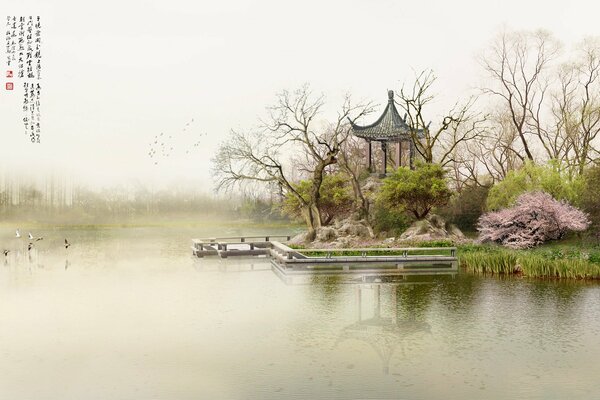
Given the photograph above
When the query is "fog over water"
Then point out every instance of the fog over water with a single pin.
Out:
(116, 74)
(129, 314)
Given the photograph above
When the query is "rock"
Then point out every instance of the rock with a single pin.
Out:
(326, 233)
(355, 228)
(371, 185)
(341, 243)
(454, 231)
(298, 239)
(389, 240)
(339, 234)
(432, 228)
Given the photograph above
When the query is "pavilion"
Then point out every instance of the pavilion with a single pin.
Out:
(389, 128)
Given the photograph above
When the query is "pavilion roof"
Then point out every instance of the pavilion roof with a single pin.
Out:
(388, 127)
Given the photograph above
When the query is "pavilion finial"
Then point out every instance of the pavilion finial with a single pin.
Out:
(391, 96)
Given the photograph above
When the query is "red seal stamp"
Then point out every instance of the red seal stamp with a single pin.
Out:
(9, 86)
(9, 74)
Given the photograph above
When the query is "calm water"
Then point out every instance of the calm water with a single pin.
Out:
(128, 314)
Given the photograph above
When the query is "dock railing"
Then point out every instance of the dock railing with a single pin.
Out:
(288, 257)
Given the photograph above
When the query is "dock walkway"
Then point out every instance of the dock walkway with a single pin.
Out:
(429, 260)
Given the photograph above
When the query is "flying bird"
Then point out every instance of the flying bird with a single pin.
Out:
(67, 244)
(17, 234)
(31, 237)
(6, 253)
(30, 246)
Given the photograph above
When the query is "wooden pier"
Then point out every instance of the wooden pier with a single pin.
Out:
(429, 260)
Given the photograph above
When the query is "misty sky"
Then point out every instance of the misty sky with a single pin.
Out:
(118, 73)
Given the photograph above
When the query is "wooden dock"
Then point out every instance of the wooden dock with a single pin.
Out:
(426, 260)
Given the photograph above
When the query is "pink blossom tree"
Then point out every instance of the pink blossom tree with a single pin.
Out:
(535, 218)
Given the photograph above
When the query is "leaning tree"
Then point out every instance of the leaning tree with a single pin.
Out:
(261, 156)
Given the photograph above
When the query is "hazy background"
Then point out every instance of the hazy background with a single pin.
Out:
(118, 73)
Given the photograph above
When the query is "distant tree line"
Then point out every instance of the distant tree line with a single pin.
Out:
(77, 203)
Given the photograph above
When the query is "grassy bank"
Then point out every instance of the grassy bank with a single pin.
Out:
(576, 261)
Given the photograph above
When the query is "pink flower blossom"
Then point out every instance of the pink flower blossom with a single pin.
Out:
(535, 218)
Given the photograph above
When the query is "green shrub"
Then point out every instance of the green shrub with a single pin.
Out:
(336, 198)
(531, 178)
(590, 196)
(594, 257)
(393, 221)
(416, 191)
(465, 208)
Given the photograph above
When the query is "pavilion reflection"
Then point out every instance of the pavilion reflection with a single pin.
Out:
(379, 322)
(237, 265)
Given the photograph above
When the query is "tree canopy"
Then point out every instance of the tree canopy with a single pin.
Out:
(417, 191)
(336, 198)
(549, 178)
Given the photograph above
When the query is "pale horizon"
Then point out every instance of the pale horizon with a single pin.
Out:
(118, 74)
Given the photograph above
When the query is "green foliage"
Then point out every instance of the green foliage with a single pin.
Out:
(392, 221)
(336, 198)
(590, 196)
(594, 257)
(375, 252)
(465, 208)
(530, 178)
(434, 243)
(415, 191)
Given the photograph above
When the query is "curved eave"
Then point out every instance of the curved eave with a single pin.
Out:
(388, 127)
(394, 136)
(390, 138)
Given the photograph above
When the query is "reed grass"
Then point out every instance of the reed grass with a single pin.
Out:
(493, 262)
(528, 263)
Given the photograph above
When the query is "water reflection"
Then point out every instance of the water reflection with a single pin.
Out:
(130, 314)
(383, 330)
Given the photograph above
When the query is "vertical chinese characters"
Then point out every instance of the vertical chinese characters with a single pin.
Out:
(23, 36)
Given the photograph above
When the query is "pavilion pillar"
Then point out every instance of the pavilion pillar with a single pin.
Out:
(399, 154)
(377, 301)
(384, 148)
(369, 157)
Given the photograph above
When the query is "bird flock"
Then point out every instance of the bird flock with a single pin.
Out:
(32, 240)
(163, 146)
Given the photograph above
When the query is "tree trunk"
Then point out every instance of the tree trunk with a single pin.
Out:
(361, 203)
(312, 217)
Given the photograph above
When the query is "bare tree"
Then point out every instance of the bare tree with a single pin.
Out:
(518, 63)
(437, 143)
(260, 156)
(576, 108)
(351, 163)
